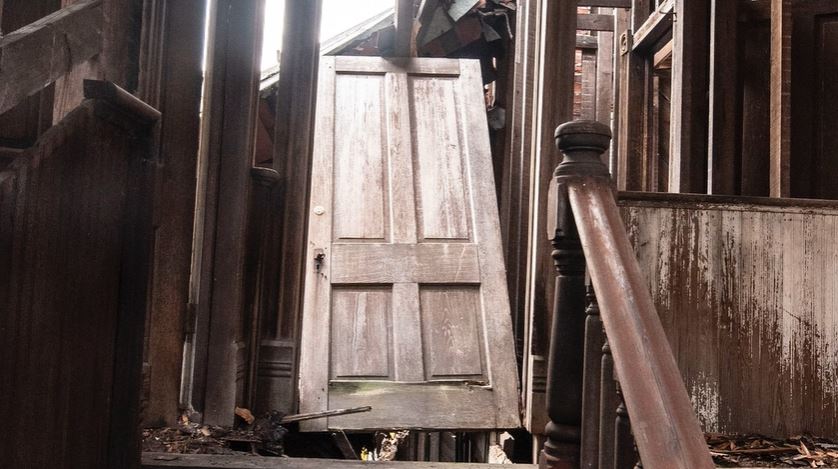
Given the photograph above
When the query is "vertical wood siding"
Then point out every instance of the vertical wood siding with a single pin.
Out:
(72, 289)
(748, 295)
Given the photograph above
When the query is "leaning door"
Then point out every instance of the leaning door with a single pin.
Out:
(406, 306)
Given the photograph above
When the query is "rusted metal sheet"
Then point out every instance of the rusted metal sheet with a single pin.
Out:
(74, 247)
(747, 290)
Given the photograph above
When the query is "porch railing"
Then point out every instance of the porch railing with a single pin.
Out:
(627, 370)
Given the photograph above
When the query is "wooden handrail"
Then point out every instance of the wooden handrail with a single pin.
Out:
(36, 55)
(665, 428)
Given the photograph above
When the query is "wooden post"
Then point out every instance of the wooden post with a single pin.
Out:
(582, 143)
(723, 156)
(594, 338)
(296, 97)
(688, 140)
(172, 83)
(230, 99)
(780, 133)
(632, 78)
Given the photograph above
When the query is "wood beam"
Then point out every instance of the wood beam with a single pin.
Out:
(605, 3)
(780, 104)
(404, 28)
(654, 28)
(723, 124)
(30, 59)
(230, 105)
(631, 149)
(296, 99)
(595, 22)
(172, 80)
(689, 108)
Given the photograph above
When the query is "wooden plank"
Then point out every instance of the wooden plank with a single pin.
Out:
(723, 157)
(78, 27)
(605, 3)
(178, 75)
(688, 147)
(205, 461)
(404, 28)
(780, 133)
(426, 66)
(399, 263)
(595, 22)
(658, 24)
(229, 120)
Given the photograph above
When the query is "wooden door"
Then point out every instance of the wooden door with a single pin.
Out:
(814, 159)
(406, 307)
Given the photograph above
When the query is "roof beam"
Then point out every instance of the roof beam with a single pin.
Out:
(595, 22)
(30, 59)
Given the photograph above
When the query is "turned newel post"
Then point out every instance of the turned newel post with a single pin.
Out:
(581, 143)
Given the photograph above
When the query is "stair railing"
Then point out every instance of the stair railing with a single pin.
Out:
(609, 357)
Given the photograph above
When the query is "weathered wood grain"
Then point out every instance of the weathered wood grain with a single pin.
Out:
(746, 290)
(404, 225)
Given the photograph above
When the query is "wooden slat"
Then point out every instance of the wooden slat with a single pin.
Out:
(586, 42)
(205, 461)
(29, 58)
(780, 125)
(595, 22)
(398, 263)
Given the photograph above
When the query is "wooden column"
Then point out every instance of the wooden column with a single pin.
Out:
(582, 143)
(688, 147)
(723, 159)
(296, 97)
(230, 98)
(172, 79)
(780, 133)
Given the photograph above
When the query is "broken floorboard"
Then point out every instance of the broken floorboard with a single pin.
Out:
(206, 461)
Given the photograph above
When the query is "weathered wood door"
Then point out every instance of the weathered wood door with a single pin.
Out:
(814, 159)
(406, 307)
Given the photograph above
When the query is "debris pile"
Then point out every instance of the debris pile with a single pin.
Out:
(760, 451)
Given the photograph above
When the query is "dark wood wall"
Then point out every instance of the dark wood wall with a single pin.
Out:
(74, 255)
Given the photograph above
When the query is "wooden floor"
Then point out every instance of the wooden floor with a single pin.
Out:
(201, 461)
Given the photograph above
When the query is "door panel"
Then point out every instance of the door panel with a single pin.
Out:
(406, 308)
